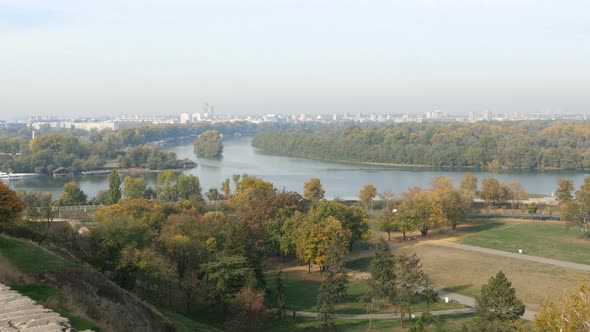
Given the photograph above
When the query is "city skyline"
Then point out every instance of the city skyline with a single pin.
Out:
(292, 57)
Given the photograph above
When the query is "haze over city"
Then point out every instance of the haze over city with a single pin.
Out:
(260, 57)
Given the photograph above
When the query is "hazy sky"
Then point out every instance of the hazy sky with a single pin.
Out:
(281, 56)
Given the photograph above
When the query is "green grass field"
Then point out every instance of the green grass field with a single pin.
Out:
(301, 295)
(545, 239)
(445, 323)
(29, 258)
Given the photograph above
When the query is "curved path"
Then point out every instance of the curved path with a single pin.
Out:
(310, 314)
(525, 257)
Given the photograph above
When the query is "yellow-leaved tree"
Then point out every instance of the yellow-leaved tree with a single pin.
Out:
(570, 314)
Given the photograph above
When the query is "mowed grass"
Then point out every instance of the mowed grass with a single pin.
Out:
(29, 258)
(301, 295)
(464, 272)
(446, 323)
(548, 239)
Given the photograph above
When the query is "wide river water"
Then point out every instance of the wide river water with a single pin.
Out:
(342, 180)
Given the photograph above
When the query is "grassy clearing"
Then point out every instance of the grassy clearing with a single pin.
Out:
(186, 324)
(360, 264)
(301, 295)
(545, 239)
(464, 272)
(29, 258)
(446, 323)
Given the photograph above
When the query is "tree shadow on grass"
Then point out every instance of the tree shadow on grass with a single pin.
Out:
(455, 289)
(481, 225)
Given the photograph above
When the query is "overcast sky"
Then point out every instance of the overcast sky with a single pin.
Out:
(281, 56)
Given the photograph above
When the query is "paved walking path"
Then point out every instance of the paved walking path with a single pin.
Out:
(525, 257)
(295, 313)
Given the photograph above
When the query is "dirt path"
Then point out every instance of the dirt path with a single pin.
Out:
(537, 259)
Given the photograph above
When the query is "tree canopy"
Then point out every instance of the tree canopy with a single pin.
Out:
(209, 145)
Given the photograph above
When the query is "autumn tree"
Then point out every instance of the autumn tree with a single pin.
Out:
(421, 210)
(367, 194)
(570, 314)
(564, 190)
(497, 307)
(133, 187)
(516, 192)
(352, 218)
(10, 205)
(468, 187)
(209, 144)
(453, 205)
(491, 192)
(315, 235)
(247, 311)
(114, 192)
(313, 190)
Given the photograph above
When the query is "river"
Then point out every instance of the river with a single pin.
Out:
(342, 180)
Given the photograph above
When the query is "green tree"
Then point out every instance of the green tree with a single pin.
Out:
(209, 145)
(72, 195)
(408, 273)
(225, 187)
(133, 187)
(327, 299)
(313, 190)
(114, 192)
(227, 275)
(382, 272)
(497, 307)
(188, 186)
(387, 222)
(280, 289)
(367, 194)
(165, 189)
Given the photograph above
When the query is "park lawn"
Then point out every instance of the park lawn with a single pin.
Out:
(447, 323)
(548, 239)
(464, 272)
(29, 258)
(301, 295)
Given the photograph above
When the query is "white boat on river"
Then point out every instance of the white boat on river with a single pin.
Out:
(9, 176)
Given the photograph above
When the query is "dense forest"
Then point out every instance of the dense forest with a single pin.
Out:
(510, 145)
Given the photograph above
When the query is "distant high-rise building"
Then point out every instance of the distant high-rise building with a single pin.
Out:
(184, 118)
(487, 116)
(471, 117)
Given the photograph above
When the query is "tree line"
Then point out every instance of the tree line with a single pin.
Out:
(482, 145)
(80, 150)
